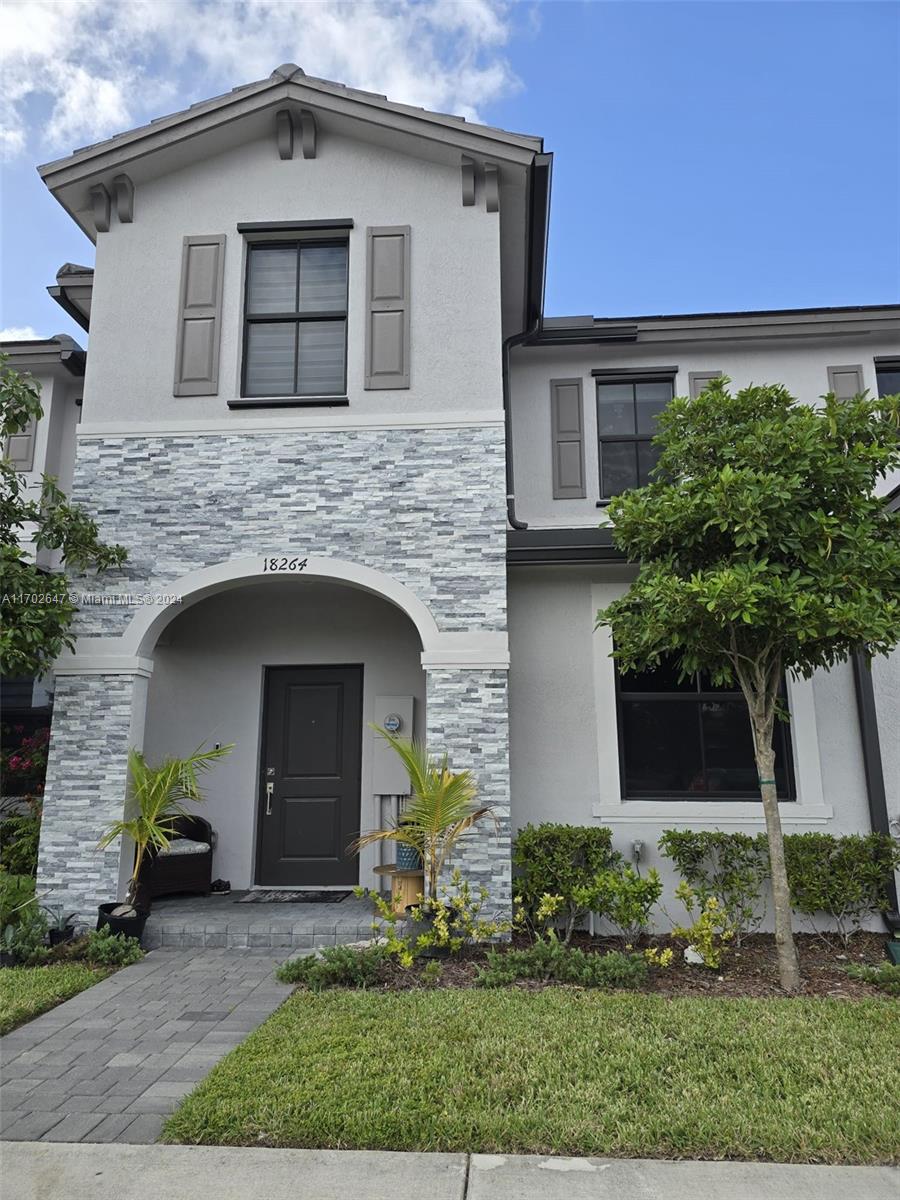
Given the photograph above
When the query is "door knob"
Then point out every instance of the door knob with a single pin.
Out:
(270, 788)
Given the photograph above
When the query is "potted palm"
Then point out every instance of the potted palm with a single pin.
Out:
(441, 808)
(155, 800)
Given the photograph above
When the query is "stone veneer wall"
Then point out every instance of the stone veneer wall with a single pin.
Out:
(423, 505)
(467, 712)
(86, 775)
(426, 506)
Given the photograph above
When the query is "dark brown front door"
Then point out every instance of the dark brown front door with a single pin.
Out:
(310, 776)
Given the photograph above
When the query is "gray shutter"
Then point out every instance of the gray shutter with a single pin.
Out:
(845, 382)
(567, 433)
(698, 380)
(387, 307)
(20, 447)
(199, 316)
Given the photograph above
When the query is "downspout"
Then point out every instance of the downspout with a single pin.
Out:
(874, 771)
(517, 339)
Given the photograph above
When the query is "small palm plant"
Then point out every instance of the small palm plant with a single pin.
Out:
(441, 808)
(156, 798)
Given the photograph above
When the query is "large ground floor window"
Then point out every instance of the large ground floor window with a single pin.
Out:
(691, 740)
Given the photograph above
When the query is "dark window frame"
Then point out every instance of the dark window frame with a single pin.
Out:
(783, 753)
(298, 318)
(635, 439)
(885, 366)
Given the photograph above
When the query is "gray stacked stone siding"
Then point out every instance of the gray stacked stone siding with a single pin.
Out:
(86, 776)
(423, 505)
(467, 713)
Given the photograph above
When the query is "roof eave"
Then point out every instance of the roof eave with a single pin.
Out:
(116, 152)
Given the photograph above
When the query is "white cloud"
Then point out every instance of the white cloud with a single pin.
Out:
(76, 71)
(19, 333)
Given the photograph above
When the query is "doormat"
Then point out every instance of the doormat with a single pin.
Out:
(272, 897)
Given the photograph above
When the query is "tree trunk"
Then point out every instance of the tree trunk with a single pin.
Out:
(788, 965)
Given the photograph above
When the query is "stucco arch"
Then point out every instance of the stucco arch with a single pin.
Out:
(149, 621)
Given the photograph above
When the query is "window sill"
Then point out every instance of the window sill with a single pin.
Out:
(719, 812)
(290, 402)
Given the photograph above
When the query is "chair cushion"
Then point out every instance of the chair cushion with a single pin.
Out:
(184, 846)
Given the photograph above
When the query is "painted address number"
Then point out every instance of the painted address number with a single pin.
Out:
(284, 564)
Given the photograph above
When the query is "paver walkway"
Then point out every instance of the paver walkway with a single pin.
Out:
(111, 1063)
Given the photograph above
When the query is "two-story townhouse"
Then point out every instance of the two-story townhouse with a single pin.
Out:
(361, 477)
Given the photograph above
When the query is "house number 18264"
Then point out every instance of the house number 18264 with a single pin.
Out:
(284, 564)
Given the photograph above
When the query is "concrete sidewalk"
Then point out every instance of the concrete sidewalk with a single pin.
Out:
(57, 1171)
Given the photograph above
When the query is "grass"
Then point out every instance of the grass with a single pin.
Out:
(561, 1072)
(26, 992)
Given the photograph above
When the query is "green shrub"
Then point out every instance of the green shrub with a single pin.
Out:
(103, 948)
(550, 960)
(845, 877)
(454, 918)
(15, 893)
(732, 867)
(885, 976)
(625, 898)
(432, 972)
(19, 837)
(336, 966)
(560, 860)
(710, 932)
(26, 938)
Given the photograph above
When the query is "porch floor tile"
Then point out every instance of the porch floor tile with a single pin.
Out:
(183, 922)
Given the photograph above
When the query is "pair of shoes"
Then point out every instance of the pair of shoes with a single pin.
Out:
(220, 887)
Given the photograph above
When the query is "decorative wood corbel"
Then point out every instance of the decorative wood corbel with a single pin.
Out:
(100, 204)
(491, 187)
(284, 133)
(467, 170)
(307, 133)
(123, 189)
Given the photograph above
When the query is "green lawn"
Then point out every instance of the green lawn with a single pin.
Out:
(561, 1071)
(26, 992)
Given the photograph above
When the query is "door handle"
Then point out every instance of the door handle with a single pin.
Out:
(270, 788)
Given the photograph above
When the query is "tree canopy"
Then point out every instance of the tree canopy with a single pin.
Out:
(36, 604)
(762, 536)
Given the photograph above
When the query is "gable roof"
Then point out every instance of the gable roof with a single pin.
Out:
(286, 83)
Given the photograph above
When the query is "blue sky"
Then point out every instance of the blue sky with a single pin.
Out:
(711, 155)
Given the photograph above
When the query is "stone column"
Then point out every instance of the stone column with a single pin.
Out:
(96, 719)
(467, 714)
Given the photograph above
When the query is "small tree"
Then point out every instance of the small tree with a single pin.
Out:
(36, 608)
(763, 548)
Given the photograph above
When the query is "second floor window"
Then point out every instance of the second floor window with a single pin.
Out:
(295, 319)
(887, 376)
(626, 422)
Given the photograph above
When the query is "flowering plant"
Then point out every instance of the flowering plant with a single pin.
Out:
(26, 761)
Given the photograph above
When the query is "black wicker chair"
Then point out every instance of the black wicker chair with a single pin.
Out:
(165, 874)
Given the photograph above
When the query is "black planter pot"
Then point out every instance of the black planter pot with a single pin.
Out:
(59, 937)
(7, 958)
(132, 927)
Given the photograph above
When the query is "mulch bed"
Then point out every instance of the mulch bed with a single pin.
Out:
(750, 971)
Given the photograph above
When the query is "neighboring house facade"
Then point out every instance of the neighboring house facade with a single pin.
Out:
(321, 406)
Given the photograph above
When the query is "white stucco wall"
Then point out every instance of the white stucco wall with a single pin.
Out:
(207, 687)
(801, 367)
(455, 278)
(563, 733)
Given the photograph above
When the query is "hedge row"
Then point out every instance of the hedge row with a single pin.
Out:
(844, 877)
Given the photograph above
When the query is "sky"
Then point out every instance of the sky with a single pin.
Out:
(711, 155)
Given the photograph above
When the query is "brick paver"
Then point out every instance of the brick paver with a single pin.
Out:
(111, 1063)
